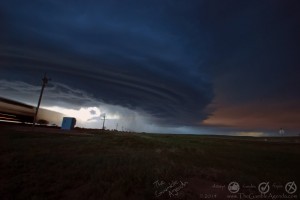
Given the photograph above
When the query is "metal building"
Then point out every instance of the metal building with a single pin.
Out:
(68, 123)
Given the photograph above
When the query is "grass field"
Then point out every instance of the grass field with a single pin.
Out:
(99, 165)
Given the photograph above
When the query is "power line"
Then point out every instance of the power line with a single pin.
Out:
(103, 121)
(45, 82)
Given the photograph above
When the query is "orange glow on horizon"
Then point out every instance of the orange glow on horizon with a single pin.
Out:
(256, 115)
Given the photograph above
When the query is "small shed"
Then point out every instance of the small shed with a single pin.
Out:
(68, 123)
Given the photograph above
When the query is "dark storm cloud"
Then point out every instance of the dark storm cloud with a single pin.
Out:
(163, 57)
(255, 49)
(55, 94)
(255, 64)
(130, 54)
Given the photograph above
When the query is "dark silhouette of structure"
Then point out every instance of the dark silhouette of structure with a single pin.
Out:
(104, 115)
(45, 82)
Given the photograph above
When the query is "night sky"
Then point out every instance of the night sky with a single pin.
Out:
(214, 66)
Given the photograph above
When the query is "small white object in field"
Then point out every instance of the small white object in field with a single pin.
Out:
(281, 131)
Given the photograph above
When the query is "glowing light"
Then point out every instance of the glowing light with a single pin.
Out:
(84, 114)
(252, 134)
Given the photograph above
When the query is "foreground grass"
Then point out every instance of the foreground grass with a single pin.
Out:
(125, 166)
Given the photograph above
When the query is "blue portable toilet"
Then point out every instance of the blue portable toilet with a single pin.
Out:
(68, 123)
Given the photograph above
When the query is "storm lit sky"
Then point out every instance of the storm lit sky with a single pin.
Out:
(207, 67)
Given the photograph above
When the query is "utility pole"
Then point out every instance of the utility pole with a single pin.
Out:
(45, 81)
(117, 126)
(103, 120)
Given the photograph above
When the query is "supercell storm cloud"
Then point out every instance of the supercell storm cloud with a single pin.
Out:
(124, 54)
(181, 62)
